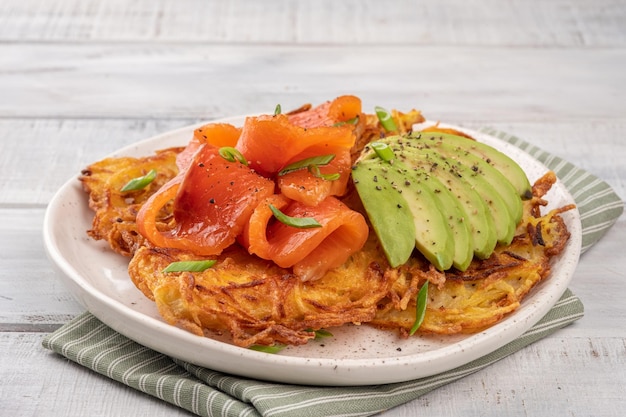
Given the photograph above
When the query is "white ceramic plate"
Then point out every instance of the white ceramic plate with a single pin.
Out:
(356, 355)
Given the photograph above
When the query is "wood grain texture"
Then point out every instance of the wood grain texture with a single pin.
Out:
(355, 22)
(210, 81)
(37, 382)
(541, 380)
(80, 79)
(32, 298)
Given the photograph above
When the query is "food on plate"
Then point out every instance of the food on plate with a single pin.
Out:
(324, 216)
(442, 194)
(471, 300)
(116, 210)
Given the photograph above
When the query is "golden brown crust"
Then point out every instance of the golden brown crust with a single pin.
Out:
(489, 289)
(116, 211)
(257, 302)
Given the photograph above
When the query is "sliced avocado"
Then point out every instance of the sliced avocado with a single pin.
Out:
(387, 211)
(502, 162)
(503, 222)
(502, 185)
(471, 169)
(457, 219)
(480, 219)
(386, 191)
(449, 197)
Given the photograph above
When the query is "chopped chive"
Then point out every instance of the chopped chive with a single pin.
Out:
(315, 170)
(385, 119)
(299, 222)
(277, 110)
(190, 266)
(383, 151)
(420, 308)
(352, 121)
(322, 334)
(268, 349)
(231, 155)
(140, 183)
(320, 160)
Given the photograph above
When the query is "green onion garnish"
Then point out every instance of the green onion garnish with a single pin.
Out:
(140, 183)
(315, 170)
(322, 334)
(420, 308)
(306, 163)
(383, 151)
(268, 349)
(299, 222)
(352, 121)
(277, 110)
(385, 119)
(190, 266)
(231, 155)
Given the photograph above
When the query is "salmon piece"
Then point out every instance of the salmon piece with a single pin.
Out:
(148, 214)
(213, 201)
(310, 252)
(218, 134)
(341, 109)
(305, 187)
(270, 143)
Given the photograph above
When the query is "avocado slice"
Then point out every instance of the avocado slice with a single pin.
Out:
(454, 169)
(387, 194)
(502, 185)
(450, 197)
(456, 217)
(387, 211)
(479, 215)
(500, 161)
(504, 224)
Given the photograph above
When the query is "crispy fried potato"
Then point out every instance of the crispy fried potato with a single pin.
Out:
(116, 211)
(489, 289)
(257, 302)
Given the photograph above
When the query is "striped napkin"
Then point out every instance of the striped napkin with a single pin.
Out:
(205, 392)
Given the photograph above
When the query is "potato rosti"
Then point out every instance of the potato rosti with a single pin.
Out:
(258, 302)
(116, 210)
(469, 301)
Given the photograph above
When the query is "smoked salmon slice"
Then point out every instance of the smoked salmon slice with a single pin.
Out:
(342, 109)
(307, 188)
(311, 252)
(217, 202)
(212, 201)
(218, 134)
(271, 142)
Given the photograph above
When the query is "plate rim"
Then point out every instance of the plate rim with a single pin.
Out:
(320, 371)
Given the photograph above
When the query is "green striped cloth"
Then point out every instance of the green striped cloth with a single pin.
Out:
(205, 392)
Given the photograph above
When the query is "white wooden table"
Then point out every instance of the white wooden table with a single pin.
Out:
(80, 79)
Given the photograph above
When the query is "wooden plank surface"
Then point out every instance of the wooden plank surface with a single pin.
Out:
(355, 22)
(80, 79)
(200, 81)
(551, 370)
